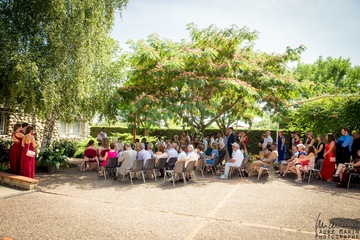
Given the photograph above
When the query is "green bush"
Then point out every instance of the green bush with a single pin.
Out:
(5, 150)
(67, 146)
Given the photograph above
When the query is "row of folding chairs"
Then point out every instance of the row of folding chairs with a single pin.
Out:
(162, 165)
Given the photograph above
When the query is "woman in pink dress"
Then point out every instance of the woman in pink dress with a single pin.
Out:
(27, 165)
(110, 154)
(16, 149)
(328, 167)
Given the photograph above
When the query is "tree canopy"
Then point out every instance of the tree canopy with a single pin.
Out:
(56, 56)
(197, 82)
(330, 96)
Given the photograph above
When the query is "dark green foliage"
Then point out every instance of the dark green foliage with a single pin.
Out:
(328, 115)
(69, 147)
(5, 150)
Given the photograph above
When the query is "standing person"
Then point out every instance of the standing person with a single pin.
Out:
(343, 147)
(328, 167)
(281, 145)
(230, 141)
(24, 126)
(261, 142)
(267, 140)
(297, 139)
(27, 165)
(16, 149)
(356, 145)
(310, 141)
(101, 136)
(119, 146)
(319, 152)
(291, 142)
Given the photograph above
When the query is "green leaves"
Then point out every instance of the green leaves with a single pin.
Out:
(198, 82)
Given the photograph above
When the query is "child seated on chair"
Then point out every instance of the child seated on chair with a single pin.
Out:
(303, 164)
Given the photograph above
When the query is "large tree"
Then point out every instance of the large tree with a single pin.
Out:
(56, 56)
(329, 98)
(215, 75)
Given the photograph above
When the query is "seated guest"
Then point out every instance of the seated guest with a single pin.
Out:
(161, 153)
(103, 148)
(301, 154)
(304, 164)
(143, 140)
(110, 154)
(190, 156)
(171, 152)
(90, 146)
(126, 159)
(236, 160)
(182, 152)
(218, 139)
(283, 163)
(344, 174)
(214, 154)
(150, 148)
(269, 156)
(143, 154)
(222, 152)
(200, 152)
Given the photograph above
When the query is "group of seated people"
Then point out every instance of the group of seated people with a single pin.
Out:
(303, 158)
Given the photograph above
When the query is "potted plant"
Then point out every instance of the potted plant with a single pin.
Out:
(53, 159)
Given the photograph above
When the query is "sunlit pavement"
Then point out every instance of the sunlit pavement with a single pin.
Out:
(74, 205)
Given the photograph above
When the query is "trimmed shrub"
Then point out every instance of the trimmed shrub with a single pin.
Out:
(68, 146)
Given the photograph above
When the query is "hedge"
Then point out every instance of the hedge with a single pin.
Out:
(253, 135)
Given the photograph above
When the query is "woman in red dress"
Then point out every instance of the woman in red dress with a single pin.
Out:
(27, 166)
(16, 149)
(328, 167)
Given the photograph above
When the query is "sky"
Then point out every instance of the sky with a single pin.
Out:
(325, 27)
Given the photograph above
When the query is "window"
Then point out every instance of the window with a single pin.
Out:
(73, 129)
(3, 123)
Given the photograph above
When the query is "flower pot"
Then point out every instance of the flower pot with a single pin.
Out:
(51, 169)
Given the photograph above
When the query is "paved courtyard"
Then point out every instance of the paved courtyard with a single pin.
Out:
(74, 205)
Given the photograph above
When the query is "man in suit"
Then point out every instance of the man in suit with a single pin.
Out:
(231, 140)
(126, 159)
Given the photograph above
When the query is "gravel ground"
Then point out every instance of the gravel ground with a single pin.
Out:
(74, 205)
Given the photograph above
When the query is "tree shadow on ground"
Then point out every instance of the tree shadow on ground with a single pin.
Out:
(346, 223)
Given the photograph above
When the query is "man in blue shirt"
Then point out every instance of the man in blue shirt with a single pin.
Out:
(343, 147)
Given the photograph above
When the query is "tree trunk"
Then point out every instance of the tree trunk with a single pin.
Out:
(48, 130)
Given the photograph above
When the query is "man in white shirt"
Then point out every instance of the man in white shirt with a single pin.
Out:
(236, 160)
(191, 155)
(126, 159)
(268, 140)
(101, 136)
(143, 153)
(182, 153)
(218, 139)
(172, 153)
